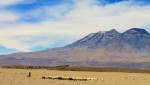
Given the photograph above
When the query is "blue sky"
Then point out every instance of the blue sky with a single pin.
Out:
(33, 25)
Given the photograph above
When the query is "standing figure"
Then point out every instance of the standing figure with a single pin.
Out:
(29, 75)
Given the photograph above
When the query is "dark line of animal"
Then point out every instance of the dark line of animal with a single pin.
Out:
(69, 78)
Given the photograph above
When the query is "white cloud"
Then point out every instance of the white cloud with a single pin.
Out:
(14, 44)
(86, 17)
(9, 2)
(6, 16)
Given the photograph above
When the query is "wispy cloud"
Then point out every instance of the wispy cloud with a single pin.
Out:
(9, 2)
(47, 24)
(6, 16)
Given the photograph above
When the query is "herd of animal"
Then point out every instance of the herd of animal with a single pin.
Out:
(69, 78)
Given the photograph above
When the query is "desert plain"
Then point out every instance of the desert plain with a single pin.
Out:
(19, 77)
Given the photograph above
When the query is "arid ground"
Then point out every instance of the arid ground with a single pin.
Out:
(19, 77)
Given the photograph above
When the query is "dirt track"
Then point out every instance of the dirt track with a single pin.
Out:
(19, 77)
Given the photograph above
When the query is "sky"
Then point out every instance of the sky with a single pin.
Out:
(34, 25)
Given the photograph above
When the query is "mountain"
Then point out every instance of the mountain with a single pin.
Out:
(103, 48)
(101, 38)
(137, 39)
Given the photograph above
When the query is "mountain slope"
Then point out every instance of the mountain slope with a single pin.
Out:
(135, 39)
(100, 38)
(138, 38)
(108, 48)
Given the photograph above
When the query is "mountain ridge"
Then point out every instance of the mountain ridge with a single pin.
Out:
(131, 37)
(104, 48)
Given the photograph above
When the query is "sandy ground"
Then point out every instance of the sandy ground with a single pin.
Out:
(19, 77)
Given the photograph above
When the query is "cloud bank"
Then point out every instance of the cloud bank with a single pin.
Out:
(53, 24)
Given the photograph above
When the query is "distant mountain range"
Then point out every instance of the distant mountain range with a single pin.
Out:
(103, 48)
